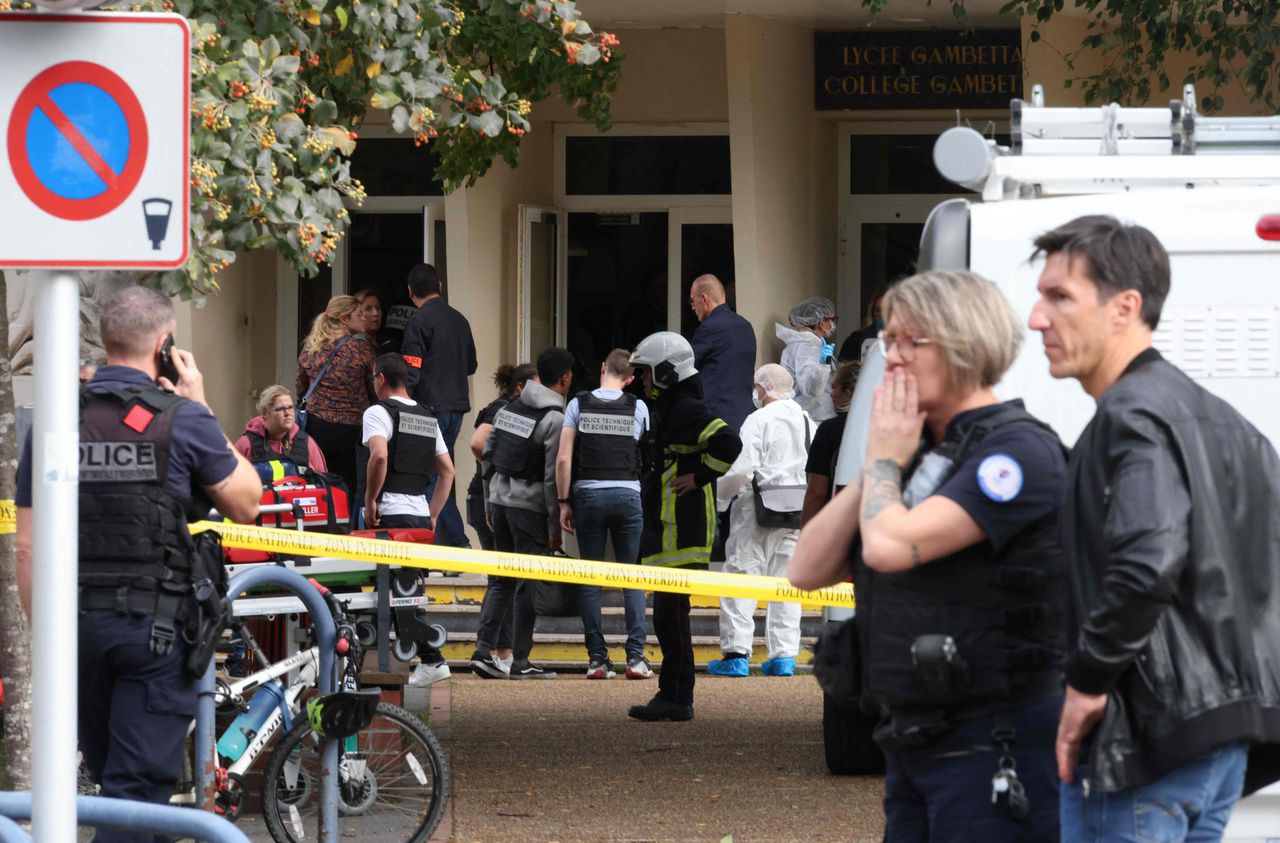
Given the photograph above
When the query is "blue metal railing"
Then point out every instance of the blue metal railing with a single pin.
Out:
(127, 815)
(124, 815)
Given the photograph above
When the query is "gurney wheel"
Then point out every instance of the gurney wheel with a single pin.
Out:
(440, 636)
(404, 650)
(366, 633)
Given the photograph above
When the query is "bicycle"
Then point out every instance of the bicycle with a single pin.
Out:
(393, 779)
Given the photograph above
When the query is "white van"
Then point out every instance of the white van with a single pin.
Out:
(1209, 188)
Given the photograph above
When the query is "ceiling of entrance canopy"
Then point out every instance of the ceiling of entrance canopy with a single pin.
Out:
(827, 14)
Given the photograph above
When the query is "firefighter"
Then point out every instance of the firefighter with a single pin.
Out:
(687, 450)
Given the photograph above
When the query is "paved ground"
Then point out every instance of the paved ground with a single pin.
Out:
(560, 761)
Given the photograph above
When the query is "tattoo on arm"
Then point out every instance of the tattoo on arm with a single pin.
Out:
(886, 488)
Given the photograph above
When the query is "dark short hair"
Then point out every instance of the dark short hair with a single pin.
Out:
(392, 367)
(1117, 257)
(424, 281)
(553, 363)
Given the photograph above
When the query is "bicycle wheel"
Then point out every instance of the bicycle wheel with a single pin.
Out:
(393, 781)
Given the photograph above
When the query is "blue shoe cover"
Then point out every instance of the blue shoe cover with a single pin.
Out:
(733, 666)
(779, 667)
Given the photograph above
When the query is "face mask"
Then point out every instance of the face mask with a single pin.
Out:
(755, 399)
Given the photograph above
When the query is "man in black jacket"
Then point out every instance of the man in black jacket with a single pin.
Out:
(441, 355)
(1170, 528)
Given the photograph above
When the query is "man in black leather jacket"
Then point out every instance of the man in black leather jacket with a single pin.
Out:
(1172, 537)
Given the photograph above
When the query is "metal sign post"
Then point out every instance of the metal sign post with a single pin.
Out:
(94, 149)
(55, 447)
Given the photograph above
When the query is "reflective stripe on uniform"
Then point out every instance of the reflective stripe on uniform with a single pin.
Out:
(680, 558)
(277, 470)
(710, 430)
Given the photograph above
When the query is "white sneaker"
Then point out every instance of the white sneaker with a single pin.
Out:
(428, 674)
(505, 664)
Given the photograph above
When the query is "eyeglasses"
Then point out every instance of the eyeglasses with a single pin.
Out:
(906, 345)
(284, 411)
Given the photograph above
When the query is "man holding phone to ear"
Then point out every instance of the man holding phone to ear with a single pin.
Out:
(152, 459)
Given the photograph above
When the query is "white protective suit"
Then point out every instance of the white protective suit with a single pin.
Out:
(802, 358)
(774, 450)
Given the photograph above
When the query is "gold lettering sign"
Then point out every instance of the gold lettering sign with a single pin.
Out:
(910, 69)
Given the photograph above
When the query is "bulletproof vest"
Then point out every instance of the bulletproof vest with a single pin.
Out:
(273, 465)
(411, 451)
(515, 453)
(1004, 613)
(133, 531)
(605, 447)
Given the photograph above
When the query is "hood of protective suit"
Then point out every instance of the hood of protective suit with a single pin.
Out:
(791, 335)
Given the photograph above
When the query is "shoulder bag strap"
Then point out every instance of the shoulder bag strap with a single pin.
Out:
(325, 367)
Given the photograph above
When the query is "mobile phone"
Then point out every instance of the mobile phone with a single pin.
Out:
(167, 368)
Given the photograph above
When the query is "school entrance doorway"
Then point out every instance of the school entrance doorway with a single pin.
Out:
(595, 281)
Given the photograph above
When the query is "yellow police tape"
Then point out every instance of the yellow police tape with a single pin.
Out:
(8, 518)
(559, 569)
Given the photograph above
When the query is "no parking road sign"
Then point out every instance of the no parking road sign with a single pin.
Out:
(94, 140)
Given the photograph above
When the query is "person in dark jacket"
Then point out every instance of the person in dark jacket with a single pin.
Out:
(724, 351)
(441, 355)
(1170, 528)
(952, 538)
(688, 450)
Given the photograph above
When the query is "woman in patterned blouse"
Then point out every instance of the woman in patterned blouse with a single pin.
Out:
(335, 408)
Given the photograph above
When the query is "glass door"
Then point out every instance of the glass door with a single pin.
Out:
(539, 303)
(880, 244)
(387, 236)
(699, 242)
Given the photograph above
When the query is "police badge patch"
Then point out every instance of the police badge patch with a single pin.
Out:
(1000, 477)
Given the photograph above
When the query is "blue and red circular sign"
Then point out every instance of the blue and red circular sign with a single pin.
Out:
(77, 140)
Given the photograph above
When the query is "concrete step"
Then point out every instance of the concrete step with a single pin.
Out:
(568, 652)
(704, 620)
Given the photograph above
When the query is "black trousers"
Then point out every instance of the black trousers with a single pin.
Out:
(134, 710)
(338, 443)
(519, 531)
(671, 626)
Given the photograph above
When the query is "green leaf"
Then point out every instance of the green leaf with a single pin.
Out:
(341, 14)
(285, 65)
(384, 99)
(478, 76)
(491, 123)
(588, 54)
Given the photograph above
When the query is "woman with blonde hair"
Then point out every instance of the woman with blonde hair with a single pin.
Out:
(953, 540)
(335, 378)
(274, 443)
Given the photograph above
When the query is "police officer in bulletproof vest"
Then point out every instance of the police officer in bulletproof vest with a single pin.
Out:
(598, 483)
(952, 538)
(152, 459)
(401, 446)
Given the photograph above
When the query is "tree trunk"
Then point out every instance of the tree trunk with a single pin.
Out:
(15, 637)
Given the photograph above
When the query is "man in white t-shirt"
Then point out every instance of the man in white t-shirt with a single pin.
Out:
(404, 447)
(599, 462)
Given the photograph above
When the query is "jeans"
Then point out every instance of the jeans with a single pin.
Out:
(615, 512)
(941, 791)
(1192, 803)
(449, 529)
(522, 531)
(134, 710)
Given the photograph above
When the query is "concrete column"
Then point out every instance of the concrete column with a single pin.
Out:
(783, 195)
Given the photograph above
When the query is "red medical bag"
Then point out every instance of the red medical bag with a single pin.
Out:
(322, 499)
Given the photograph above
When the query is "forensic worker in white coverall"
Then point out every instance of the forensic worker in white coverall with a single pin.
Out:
(769, 480)
(810, 354)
